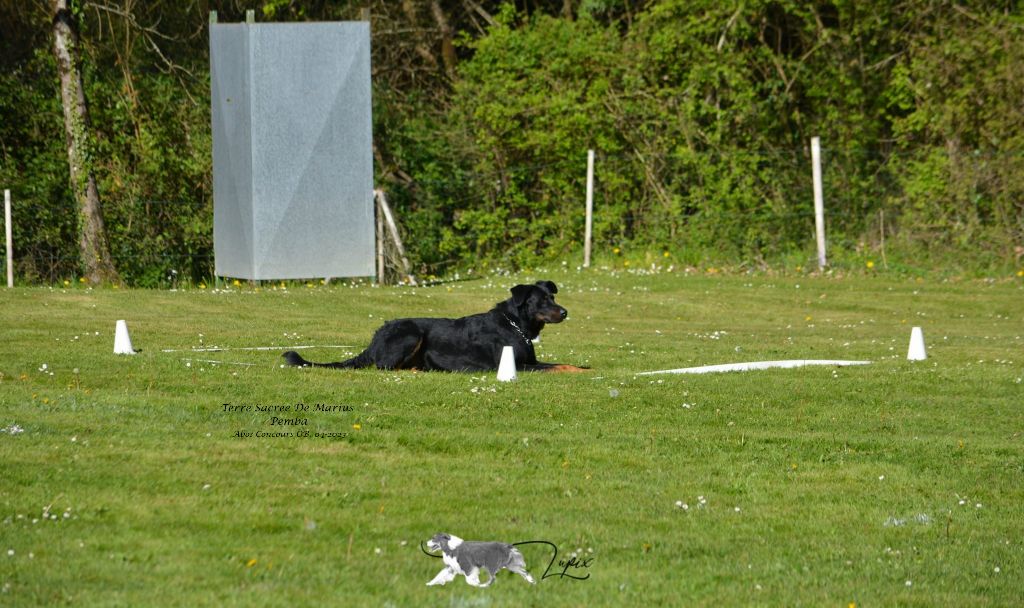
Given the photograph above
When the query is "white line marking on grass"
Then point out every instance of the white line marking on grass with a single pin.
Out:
(217, 349)
(753, 365)
(219, 362)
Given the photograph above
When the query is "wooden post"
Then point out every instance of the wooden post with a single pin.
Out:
(588, 231)
(8, 230)
(380, 237)
(881, 233)
(819, 203)
(393, 228)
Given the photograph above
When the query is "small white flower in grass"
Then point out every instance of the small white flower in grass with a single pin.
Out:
(737, 509)
(10, 553)
(377, 551)
(206, 486)
(996, 570)
(909, 583)
(881, 477)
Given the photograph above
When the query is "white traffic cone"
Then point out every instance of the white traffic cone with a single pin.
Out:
(122, 342)
(916, 352)
(507, 365)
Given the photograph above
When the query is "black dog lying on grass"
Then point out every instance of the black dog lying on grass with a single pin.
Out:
(468, 344)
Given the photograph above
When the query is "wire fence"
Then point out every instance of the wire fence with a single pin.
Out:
(642, 201)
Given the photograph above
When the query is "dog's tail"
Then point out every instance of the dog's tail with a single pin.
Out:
(361, 360)
(515, 558)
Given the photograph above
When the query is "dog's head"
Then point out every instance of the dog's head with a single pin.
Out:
(536, 303)
(444, 542)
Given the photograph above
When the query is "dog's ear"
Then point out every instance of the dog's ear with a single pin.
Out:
(549, 286)
(520, 293)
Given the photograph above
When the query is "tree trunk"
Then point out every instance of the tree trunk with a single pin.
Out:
(447, 35)
(92, 237)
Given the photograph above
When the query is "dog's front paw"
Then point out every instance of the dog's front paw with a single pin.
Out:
(572, 369)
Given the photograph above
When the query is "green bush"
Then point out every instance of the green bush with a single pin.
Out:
(700, 114)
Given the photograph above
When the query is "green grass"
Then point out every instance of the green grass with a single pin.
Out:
(820, 486)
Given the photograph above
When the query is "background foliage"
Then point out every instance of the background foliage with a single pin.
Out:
(700, 113)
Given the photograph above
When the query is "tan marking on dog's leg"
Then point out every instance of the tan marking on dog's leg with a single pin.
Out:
(412, 357)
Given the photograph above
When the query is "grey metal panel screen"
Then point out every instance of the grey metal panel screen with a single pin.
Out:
(292, 150)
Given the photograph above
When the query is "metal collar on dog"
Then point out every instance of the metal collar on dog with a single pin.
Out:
(518, 330)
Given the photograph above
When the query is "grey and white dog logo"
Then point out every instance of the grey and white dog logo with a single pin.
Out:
(468, 558)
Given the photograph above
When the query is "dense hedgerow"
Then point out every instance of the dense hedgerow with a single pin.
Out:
(699, 112)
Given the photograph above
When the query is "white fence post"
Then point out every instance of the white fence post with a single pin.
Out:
(819, 203)
(8, 229)
(587, 235)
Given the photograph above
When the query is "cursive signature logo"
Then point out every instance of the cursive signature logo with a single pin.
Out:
(574, 562)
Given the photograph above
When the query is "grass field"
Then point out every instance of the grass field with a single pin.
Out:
(895, 483)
